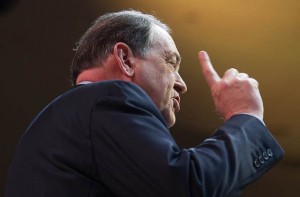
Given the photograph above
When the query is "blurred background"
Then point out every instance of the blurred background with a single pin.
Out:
(260, 37)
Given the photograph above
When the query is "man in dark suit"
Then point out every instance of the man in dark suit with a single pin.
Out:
(109, 136)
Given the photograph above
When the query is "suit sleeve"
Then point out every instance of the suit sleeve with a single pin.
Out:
(135, 154)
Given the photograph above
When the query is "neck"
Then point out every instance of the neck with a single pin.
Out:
(108, 71)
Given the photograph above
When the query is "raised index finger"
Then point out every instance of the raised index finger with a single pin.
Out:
(208, 70)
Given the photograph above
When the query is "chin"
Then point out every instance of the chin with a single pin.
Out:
(171, 121)
(169, 116)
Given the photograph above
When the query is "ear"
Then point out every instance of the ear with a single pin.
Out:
(124, 57)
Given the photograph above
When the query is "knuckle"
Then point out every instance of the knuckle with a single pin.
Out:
(243, 75)
(232, 70)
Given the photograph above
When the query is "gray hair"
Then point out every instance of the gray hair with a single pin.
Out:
(129, 26)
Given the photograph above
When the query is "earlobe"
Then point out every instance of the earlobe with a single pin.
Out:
(124, 57)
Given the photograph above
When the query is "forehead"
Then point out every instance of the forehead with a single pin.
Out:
(164, 43)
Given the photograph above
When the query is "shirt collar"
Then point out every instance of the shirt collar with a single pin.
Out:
(84, 82)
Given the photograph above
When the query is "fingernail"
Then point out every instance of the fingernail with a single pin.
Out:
(203, 55)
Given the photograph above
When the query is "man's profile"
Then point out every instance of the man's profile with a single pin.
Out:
(109, 136)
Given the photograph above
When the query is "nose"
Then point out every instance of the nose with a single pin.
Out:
(180, 85)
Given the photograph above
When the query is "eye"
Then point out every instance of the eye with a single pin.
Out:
(172, 64)
(173, 61)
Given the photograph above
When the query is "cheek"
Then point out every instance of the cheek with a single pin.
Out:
(167, 89)
(158, 84)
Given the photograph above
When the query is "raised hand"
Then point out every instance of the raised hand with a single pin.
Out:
(234, 93)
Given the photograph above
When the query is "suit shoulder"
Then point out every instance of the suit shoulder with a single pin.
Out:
(114, 89)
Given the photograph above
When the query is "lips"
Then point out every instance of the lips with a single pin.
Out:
(176, 103)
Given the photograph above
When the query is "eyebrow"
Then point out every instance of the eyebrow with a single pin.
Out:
(178, 58)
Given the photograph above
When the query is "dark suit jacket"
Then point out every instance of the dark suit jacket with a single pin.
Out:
(109, 139)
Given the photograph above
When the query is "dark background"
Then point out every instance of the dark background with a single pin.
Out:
(260, 37)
